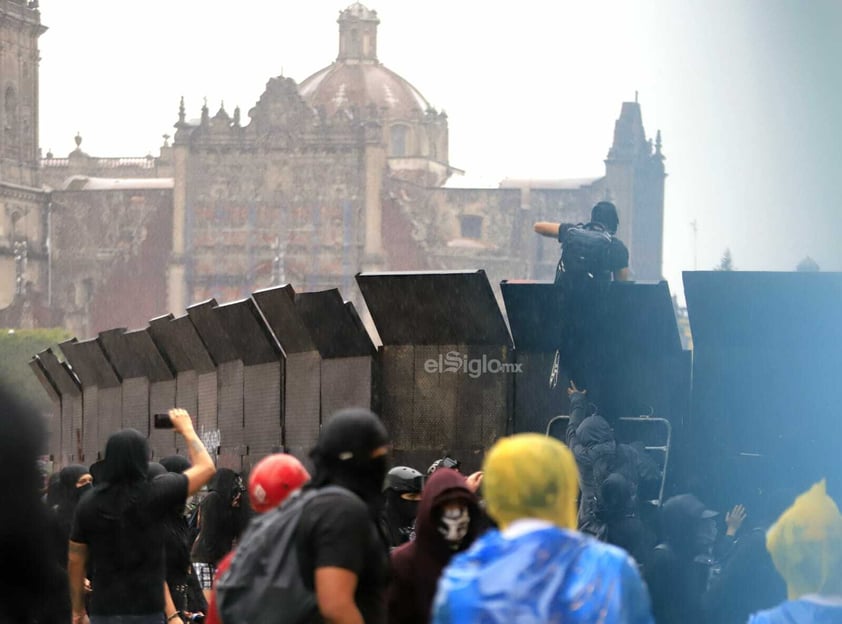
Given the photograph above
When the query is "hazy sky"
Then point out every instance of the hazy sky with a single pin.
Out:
(747, 94)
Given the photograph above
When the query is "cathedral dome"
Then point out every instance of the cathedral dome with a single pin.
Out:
(357, 78)
(343, 85)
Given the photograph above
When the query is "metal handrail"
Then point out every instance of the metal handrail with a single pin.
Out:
(555, 418)
(665, 449)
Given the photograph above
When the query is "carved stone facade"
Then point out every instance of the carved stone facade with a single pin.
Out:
(23, 205)
(345, 172)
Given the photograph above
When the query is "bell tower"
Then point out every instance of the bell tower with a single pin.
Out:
(23, 204)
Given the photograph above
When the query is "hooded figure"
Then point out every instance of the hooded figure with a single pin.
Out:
(73, 481)
(678, 570)
(338, 535)
(591, 439)
(806, 547)
(447, 523)
(537, 568)
(120, 526)
(616, 512)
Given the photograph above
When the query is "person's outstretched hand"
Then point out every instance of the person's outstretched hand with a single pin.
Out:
(474, 481)
(571, 389)
(734, 519)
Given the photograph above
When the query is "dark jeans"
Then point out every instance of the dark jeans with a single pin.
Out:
(151, 618)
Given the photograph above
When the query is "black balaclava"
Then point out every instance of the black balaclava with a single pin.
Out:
(342, 455)
(606, 213)
(68, 495)
(176, 463)
(155, 470)
(400, 513)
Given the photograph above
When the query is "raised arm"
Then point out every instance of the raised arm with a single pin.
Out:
(202, 468)
(545, 228)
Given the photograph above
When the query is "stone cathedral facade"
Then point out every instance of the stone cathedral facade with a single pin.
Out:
(346, 171)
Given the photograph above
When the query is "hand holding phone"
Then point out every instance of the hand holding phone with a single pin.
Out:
(162, 421)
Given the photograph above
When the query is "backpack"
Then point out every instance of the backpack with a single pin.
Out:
(586, 251)
(263, 585)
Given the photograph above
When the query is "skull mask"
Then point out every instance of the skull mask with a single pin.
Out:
(453, 523)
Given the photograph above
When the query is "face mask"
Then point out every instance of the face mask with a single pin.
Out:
(453, 524)
(407, 510)
(80, 491)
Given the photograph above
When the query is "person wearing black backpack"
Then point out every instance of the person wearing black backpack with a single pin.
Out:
(319, 557)
(590, 249)
(591, 257)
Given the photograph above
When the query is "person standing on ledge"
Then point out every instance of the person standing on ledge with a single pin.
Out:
(591, 256)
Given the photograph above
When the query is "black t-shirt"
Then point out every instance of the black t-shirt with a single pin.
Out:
(337, 530)
(127, 550)
(618, 255)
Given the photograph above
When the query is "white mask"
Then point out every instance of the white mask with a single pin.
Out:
(454, 523)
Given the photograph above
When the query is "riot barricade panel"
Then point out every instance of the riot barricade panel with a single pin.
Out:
(262, 409)
(162, 398)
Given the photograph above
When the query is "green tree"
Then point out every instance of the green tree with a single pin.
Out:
(726, 263)
(17, 346)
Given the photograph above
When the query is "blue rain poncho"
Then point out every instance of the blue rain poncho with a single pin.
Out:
(537, 569)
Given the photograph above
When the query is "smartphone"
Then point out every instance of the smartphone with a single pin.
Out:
(162, 421)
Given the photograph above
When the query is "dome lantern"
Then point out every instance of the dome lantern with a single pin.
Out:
(358, 34)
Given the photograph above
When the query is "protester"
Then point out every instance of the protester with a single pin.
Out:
(220, 523)
(342, 556)
(119, 527)
(618, 521)
(271, 482)
(806, 547)
(402, 492)
(73, 481)
(448, 521)
(185, 591)
(748, 581)
(591, 439)
(610, 259)
(537, 568)
(678, 570)
(33, 589)
(591, 255)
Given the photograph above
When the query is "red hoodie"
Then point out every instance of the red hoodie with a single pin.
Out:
(417, 565)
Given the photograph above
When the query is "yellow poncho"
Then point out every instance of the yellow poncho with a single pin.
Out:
(806, 544)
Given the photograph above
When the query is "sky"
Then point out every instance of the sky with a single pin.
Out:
(747, 95)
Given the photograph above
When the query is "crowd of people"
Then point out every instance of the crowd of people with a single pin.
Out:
(545, 532)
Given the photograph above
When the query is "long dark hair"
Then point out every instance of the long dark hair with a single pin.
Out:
(123, 477)
(219, 516)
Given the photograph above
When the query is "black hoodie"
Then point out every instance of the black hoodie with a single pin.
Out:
(676, 575)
